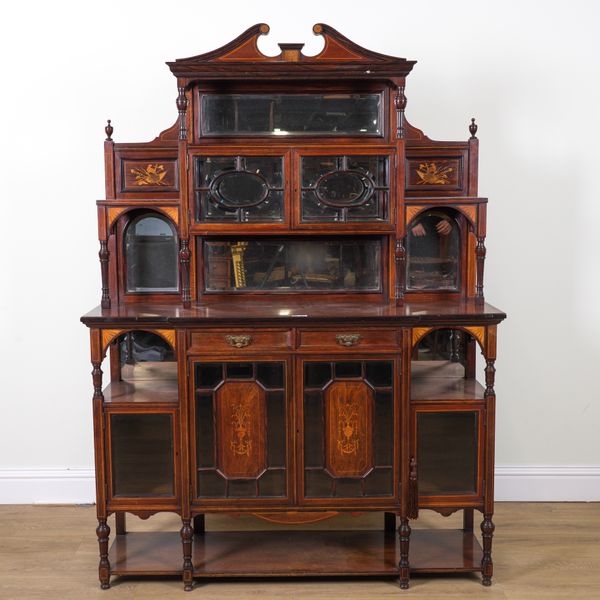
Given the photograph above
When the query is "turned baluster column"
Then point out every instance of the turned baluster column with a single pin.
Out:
(187, 536)
(480, 256)
(400, 257)
(184, 259)
(104, 255)
(103, 530)
(404, 534)
(487, 525)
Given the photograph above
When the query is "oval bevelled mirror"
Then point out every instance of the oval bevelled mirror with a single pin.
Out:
(239, 189)
(344, 188)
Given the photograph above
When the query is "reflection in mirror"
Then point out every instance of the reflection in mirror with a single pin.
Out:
(443, 367)
(151, 255)
(145, 356)
(293, 265)
(433, 252)
(292, 114)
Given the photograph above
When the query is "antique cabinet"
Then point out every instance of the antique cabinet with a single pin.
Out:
(292, 305)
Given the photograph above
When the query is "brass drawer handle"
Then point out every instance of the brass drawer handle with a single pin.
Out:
(348, 339)
(238, 341)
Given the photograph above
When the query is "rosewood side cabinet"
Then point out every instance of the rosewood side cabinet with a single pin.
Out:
(292, 305)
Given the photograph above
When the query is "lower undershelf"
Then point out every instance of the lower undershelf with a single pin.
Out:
(295, 553)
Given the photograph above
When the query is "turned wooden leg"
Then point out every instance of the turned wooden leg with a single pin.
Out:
(103, 531)
(120, 525)
(187, 536)
(487, 566)
(468, 519)
(199, 526)
(404, 533)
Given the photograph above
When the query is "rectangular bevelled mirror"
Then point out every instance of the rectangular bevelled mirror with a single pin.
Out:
(351, 114)
(292, 264)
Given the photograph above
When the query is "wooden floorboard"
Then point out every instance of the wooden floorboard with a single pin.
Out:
(541, 551)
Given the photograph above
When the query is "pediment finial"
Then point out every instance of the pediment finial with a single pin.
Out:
(473, 128)
(108, 130)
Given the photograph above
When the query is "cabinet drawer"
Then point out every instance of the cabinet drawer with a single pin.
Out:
(342, 338)
(240, 340)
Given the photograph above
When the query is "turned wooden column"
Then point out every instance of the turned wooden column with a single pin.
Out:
(187, 537)
(184, 260)
(104, 255)
(404, 533)
(480, 256)
(487, 525)
(103, 530)
(400, 258)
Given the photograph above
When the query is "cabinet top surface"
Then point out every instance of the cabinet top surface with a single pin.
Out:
(297, 312)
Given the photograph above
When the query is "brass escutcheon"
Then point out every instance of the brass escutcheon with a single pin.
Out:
(348, 339)
(238, 341)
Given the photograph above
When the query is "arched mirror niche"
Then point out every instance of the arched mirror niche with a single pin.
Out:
(434, 251)
(150, 253)
(144, 356)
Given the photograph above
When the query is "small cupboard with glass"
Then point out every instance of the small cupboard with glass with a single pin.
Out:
(292, 304)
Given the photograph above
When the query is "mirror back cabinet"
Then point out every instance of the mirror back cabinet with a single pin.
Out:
(291, 307)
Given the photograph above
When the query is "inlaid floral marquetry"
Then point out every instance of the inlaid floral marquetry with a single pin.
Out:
(349, 410)
(431, 173)
(153, 174)
(147, 175)
(241, 423)
(443, 173)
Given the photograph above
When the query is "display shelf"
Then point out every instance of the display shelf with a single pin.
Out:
(148, 391)
(440, 380)
(294, 553)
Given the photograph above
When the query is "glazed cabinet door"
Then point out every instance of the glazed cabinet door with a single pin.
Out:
(142, 461)
(349, 423)
(239, 431)
(448, 447)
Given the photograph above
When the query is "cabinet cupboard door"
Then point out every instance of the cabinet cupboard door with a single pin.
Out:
(141, 455)
(449, 452)
(240, 430)
(348, 428)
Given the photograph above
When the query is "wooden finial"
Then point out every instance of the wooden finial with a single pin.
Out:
(473, 128)
(400, 105)
(108, 130)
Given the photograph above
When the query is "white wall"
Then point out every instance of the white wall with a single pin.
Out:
(527, 70)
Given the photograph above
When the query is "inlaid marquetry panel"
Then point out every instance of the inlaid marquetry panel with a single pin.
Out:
(436, 171)
(349, 414)
(348, 429)
(469, 210)
(239, 430)
(149, 175)
(241, 447)
(477, 331)
(109, 335)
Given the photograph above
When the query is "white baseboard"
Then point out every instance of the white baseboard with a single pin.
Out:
(47, 486)
(547, 483)
(516, 483)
